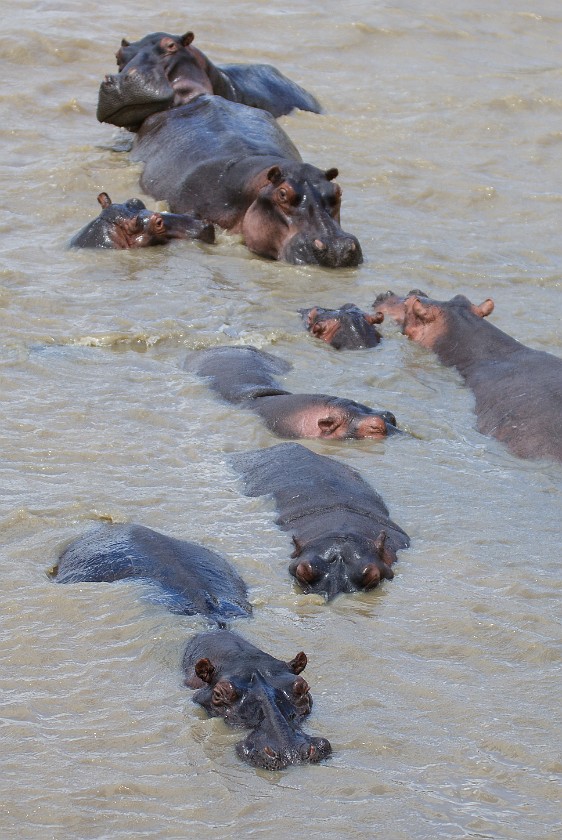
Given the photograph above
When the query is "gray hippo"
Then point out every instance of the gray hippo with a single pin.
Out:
(131, 225)
(164, 71)
(245, 375)
(518, 390)
(343, 537)
(346, 328)
(249, 688)
(187, 577)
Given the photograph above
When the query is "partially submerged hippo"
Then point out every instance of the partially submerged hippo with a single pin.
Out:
(245, 375)
(131, 225)
(250, 688)
(163, 71)
(343, 537)
(236, 167)
(346, 328)
(189, 578)
(518, 390)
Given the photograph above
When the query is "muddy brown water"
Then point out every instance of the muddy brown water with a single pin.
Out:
(440, 691)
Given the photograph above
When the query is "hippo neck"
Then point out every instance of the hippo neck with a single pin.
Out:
(470, 342)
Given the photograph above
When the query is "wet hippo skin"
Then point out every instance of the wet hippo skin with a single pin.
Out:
(188, 578)
(346, 328)
(246, 376)
(236, 167)
(163, 71)
(518, 390)
(249, 688)
(131, 225)
(343, 537)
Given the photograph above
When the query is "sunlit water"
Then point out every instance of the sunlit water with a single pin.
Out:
(440, 692)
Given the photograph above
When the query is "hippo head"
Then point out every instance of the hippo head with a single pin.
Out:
(347, 419)
(426, 321)
(295, 218)
(270, 704)
(347, 328)
(330, 566)
(156, 73)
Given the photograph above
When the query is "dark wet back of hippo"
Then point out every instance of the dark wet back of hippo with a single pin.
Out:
(239, 373)
(189, 578)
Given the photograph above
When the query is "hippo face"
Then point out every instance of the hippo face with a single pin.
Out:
(131, 225)
(346, 564)
(270, 702)
(295, 217)
(428, 322)
(160, 72)
(347, 328)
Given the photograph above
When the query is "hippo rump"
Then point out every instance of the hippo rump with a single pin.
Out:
(346, 328)
(245, 375)
(187, 577)
(236, 167)
(250, 688)
(163, 71)
(518, 390)
(343, 537)
(131, 225)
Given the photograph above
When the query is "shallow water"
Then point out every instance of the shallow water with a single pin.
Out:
(440, 692)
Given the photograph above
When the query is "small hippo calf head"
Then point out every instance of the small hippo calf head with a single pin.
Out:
(346, 328)
(347, 564)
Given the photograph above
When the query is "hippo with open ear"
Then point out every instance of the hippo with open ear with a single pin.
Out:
(518, 390)
(346, 328)
(249, 688)
(343, 537)
(131, 225)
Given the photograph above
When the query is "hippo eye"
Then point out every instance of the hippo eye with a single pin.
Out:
(283, 195)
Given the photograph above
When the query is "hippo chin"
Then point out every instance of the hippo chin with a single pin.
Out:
(246, 376)
(518, 390)
(131, 225)
(249, 688)
(346, 328)
(236, 167)
(162, 71)
(343, 537)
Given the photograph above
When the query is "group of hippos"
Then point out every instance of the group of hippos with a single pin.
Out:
(212, 149)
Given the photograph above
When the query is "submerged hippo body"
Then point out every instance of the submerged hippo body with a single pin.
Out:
(189, 578)
(236, 167)
(163, 71)
(346, 328)
(131, 225)
(343, 537)
(245, 375)
(518, 390)
(250, 688)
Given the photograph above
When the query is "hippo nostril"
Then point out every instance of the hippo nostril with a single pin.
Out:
(269, 752)
(319, 245)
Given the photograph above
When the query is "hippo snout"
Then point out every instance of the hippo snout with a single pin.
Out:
(329, 251)
(267, 754)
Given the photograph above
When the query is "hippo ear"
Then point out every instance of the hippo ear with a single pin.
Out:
(328, 425)
(377, 318)
(125, 43)
(421, 311)
(298, 664)
(104, 200)
(484, 309)
(187, 39)
(386, 554)
(332, 173)
(275, 175)
(298, 548)
(205, 670)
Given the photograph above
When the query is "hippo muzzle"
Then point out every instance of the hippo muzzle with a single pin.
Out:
(333, 250)
(126, 99)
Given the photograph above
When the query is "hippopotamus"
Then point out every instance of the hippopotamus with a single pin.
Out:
(248, 687)
(188, 578)
(131, 225)
(163, 71)
(346, 328)
(342, 535)
(245, 376)
(235, 166)
(518, 390)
